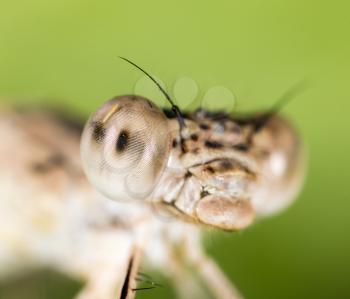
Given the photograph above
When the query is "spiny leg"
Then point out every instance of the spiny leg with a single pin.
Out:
(129, 287)
(113, 282)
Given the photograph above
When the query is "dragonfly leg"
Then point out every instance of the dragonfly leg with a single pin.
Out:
(196, 272)
(215, 279)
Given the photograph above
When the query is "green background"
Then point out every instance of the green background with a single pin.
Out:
(65, 52)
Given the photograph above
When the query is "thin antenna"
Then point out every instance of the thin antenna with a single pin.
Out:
(174, 107)
(283, 100)
(289, 95)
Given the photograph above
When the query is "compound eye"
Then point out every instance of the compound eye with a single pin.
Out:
(122, 141)
(125, 147)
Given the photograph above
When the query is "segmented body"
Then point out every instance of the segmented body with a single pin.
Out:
(222, 172)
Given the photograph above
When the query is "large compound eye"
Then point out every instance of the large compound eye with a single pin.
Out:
(125, 146)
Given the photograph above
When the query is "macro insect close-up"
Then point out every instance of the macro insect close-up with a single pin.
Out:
(174, 187)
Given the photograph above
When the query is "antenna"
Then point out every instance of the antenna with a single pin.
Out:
(289, 95)
(283, 100)
(174, 107)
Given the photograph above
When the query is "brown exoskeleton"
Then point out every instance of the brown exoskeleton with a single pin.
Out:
(202, 168)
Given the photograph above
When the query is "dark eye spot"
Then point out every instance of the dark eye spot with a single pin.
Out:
(122, 141)
(98, 132)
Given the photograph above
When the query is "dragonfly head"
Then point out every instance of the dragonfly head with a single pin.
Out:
(125, 146)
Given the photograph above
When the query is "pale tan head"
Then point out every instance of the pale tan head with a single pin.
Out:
(209, 168)
(125, 146)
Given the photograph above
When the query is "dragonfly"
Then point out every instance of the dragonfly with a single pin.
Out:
(139, 185)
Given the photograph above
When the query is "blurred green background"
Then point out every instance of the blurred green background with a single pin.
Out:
(65, 52)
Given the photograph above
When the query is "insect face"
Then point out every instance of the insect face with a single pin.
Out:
(206, 167)
(125, 146)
